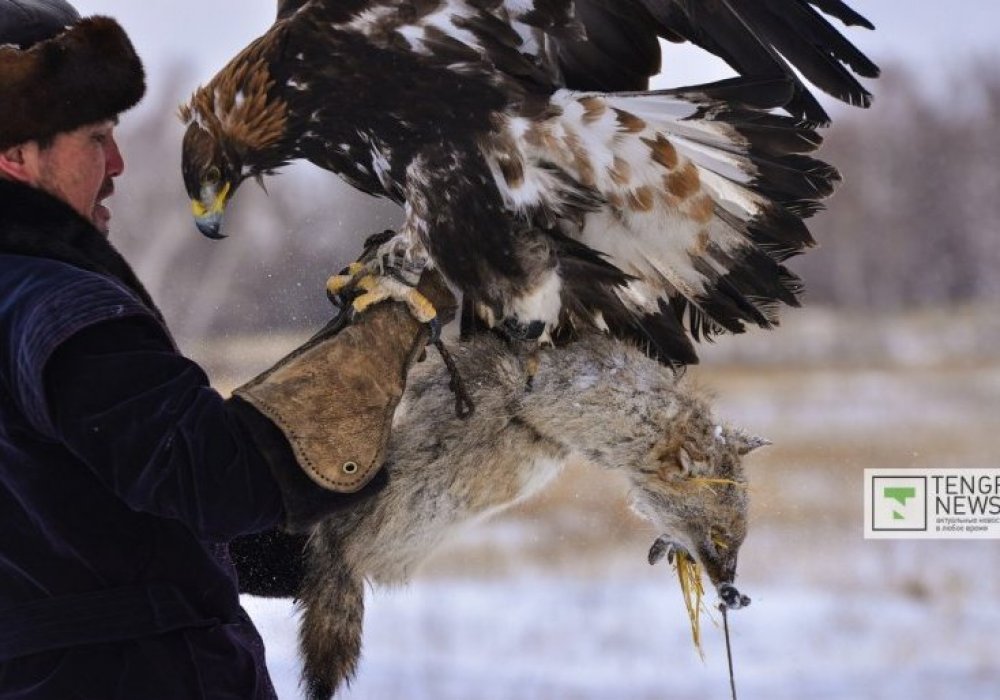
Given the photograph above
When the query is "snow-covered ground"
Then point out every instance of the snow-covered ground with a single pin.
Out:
(556, 637)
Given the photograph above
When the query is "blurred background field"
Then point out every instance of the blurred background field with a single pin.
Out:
(894, 361)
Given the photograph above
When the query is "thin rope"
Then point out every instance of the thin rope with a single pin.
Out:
(464, 407)
(729, 649)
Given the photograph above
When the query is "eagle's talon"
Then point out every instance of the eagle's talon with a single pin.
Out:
(420, 307)
(386, 270)
(338, 284)
(434, 326)
(340, 302)
(373, 295)
(348, 278)
(371, 289)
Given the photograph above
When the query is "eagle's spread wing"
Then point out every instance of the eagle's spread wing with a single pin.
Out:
(632, 212)
(759, 38)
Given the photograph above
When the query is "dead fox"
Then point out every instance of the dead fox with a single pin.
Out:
(598, 399)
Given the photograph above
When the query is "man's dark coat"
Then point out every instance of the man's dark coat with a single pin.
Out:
(122, 475)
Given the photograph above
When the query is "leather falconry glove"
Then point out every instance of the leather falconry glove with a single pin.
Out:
(333, 398)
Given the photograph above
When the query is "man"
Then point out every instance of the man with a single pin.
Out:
(122, 474)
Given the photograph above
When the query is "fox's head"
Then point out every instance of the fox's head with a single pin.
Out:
(619, 409)
(691, 485)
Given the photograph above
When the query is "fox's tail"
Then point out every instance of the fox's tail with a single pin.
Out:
(332, 602)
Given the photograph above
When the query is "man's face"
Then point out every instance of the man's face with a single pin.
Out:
(78, 168)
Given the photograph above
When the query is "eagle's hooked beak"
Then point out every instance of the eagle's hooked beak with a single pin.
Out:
(208, 211)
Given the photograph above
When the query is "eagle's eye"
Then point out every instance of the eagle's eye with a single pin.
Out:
(212, 176)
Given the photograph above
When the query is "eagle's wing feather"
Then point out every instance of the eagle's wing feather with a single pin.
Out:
(700, 197)
(759, 38)
(620, 52)
(289, 7)
(459, 35)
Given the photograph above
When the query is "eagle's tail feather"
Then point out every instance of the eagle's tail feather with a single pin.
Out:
(590, 302)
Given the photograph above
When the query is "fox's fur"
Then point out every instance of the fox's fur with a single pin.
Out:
(596, 399)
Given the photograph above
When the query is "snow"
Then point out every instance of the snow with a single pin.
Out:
(553, 637)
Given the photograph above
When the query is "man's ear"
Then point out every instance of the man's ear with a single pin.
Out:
(15, 163)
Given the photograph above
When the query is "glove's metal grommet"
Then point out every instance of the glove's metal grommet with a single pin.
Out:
(350, 467)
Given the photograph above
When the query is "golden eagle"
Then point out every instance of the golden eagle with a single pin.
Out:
(536, 171)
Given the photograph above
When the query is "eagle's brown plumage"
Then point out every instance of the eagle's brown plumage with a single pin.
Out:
(550, 200)
(237, 107)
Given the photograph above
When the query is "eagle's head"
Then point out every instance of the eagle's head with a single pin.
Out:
(212, 166)
(236, 129)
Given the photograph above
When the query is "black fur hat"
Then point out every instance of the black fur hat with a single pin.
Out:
(59, 72)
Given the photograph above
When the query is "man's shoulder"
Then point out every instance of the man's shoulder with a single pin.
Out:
(28, 278)
(43, 304)
(47, 300)
(19, 269)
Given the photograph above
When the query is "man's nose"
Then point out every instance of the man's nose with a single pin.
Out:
(115, 163)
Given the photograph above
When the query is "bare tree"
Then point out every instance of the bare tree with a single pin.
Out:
(916, 221)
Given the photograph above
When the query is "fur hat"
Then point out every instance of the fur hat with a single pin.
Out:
(59, 72)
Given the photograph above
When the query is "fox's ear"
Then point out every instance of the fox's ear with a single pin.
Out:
(745, 444)
(691, 466)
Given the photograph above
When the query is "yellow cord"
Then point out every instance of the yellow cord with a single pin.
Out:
(689, 575)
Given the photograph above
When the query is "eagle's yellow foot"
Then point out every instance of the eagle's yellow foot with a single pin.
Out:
(338, 284)
(378, 288)
(375, 288)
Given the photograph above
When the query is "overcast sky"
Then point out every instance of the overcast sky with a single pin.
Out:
(927, 34)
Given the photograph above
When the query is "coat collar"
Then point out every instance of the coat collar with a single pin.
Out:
(36, 224)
